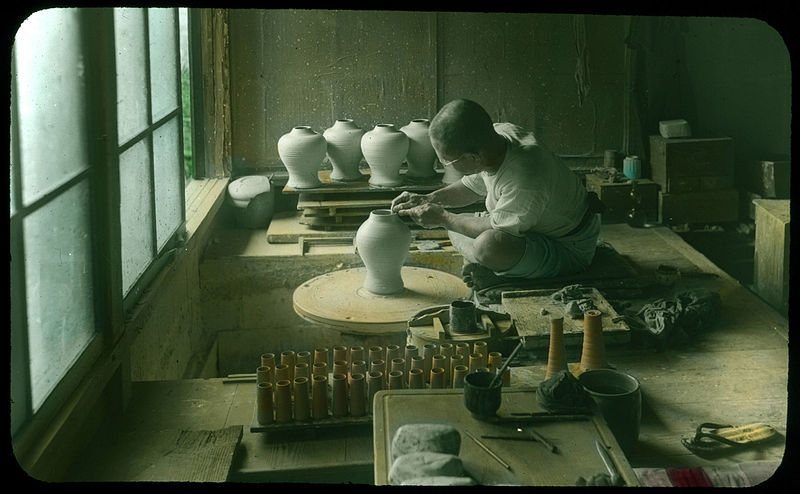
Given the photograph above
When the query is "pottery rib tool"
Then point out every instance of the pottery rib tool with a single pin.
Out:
(489, 451)
(547, 444)
(505, 364)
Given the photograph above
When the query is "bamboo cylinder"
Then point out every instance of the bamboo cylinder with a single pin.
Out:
(374, 384)
(437, 378)
(428, 351)
(303, 357)
(358, 367)
(301, 370)
(476, 362)
(593, 352)
(339, 398)
(340, 367)
(375, 353)
(494, 361)
(378, 365)
(263, 374)
(417, 362)
(302, 405)
(416, 378)
(268, 360)
(319, 369)
(288, 358)
(459, 372)
(442, 362)
(481, 347)
(321, 355)
(282, 372)
(358, 395)
(447, 349)
(556, 353)
(341, 353)
(396, 379)
(463, 349)
(455, 360)
(398, 364)
(283, 401)
(410, 352)
(319, 397)
(393, 352)
(357, 353)
(265, 414)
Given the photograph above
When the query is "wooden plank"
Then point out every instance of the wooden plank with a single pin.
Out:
(532, 310)
(772, 251)
(329, 185)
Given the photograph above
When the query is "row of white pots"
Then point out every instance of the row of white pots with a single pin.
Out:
(384, 148)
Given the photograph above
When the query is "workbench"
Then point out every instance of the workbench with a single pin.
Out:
(736, 373)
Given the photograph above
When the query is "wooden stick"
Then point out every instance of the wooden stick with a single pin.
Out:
(491, 453)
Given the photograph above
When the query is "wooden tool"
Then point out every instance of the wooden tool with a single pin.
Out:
(486, 448)
(505, 364)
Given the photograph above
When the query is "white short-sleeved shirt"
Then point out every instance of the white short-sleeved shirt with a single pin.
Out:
(532, 191)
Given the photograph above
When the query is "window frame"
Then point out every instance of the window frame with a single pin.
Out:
(111, 307)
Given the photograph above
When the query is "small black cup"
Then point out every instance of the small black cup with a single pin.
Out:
(481, 400)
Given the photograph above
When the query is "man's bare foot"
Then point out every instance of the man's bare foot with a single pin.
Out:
(479, 277)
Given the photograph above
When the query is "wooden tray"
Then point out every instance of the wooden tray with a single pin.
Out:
(531, 463)
(525, 308)
(328, 423)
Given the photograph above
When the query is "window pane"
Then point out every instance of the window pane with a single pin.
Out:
(168, 170)
(58, 273)
(186, 96)
(136, 213)
(51, 100)
(131, 72)
(163, 61)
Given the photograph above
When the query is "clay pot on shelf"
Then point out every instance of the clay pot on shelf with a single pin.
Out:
(344, 149)
(384, 149)
(265, 414)
(556, 353)
(302, 150)
(421, 157)
(593, 352)
(382, 242)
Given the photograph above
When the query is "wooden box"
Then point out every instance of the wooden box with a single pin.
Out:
(769, 179)
(771, 261)
(617, 197)
(712, 206)
(692, 164)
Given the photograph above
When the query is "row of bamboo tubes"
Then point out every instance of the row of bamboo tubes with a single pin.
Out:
(307, 386)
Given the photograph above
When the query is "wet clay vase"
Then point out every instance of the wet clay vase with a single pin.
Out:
(302, 150)
(265, 414)
(481, 400)
(302, 404)
(319, 397)
(344, 149)
(384, 148)
(556, 354)
(593, 352)
(421, 157)
(358, 395)
(382, 242)
(283, 401)
(618, 397)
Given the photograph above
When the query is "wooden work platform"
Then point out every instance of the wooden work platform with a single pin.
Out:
(735, 373)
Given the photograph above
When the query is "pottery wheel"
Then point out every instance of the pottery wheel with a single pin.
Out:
(337, 299)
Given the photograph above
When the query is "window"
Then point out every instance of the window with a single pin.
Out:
(70, 253)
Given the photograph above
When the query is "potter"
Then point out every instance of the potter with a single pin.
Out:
(540, 221)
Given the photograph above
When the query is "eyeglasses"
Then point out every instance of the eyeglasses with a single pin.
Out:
(448, 163)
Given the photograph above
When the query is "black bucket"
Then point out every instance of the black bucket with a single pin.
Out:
(619, 398)
(481, 400)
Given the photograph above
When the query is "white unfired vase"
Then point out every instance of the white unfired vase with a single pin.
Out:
(382, 242)
(384, 148)
(344, 149)
(421, 157)
(302, 150)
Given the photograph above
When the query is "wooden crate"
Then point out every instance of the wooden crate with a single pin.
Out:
(712, 206)
(617, 197)
(688, 164)
(771, 261)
